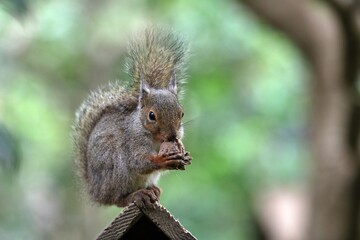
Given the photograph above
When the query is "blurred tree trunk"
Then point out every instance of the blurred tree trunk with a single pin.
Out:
(328, 34)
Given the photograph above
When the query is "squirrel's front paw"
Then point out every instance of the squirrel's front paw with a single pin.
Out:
(163, 157)
(171, 161)
(178, 164)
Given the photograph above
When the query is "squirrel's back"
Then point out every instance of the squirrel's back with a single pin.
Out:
(111, 98)
(155, 56)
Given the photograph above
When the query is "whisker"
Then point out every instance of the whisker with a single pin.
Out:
(189, 121)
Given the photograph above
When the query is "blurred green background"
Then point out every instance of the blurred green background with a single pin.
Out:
(246, 98)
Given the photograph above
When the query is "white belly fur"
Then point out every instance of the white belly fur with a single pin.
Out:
(152, 179)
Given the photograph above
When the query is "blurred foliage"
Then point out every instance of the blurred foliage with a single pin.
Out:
(18, 8)
(246, 106)
(9, 153)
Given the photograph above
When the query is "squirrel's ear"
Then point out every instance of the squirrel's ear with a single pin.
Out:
(144, 88)
(172, 83)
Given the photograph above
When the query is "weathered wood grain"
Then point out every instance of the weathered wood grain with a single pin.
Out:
(136, 223)
(127, 218)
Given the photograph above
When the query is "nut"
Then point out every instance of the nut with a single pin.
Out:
(169, 147)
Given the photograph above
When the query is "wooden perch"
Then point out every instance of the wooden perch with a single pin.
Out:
(138, 223)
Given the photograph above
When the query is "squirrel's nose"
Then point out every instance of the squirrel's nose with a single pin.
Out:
(171, 137)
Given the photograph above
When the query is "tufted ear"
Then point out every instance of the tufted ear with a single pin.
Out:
(144, 89)
(172, 84)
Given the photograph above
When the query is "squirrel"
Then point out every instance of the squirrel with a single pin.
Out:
(119, 128)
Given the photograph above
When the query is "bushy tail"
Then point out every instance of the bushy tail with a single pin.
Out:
(156, 55)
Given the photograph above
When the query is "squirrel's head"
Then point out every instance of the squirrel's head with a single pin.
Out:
(160, 111)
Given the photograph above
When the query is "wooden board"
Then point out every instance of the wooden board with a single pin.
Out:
(135, 223)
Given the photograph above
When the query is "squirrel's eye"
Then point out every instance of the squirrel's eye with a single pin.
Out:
(152, 116)
(182, 115)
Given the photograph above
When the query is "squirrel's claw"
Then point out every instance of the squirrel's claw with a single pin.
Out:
(156, 190)
(187, 157)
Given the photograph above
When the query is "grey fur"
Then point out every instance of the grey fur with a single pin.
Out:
(157, 54)
(114, 141)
